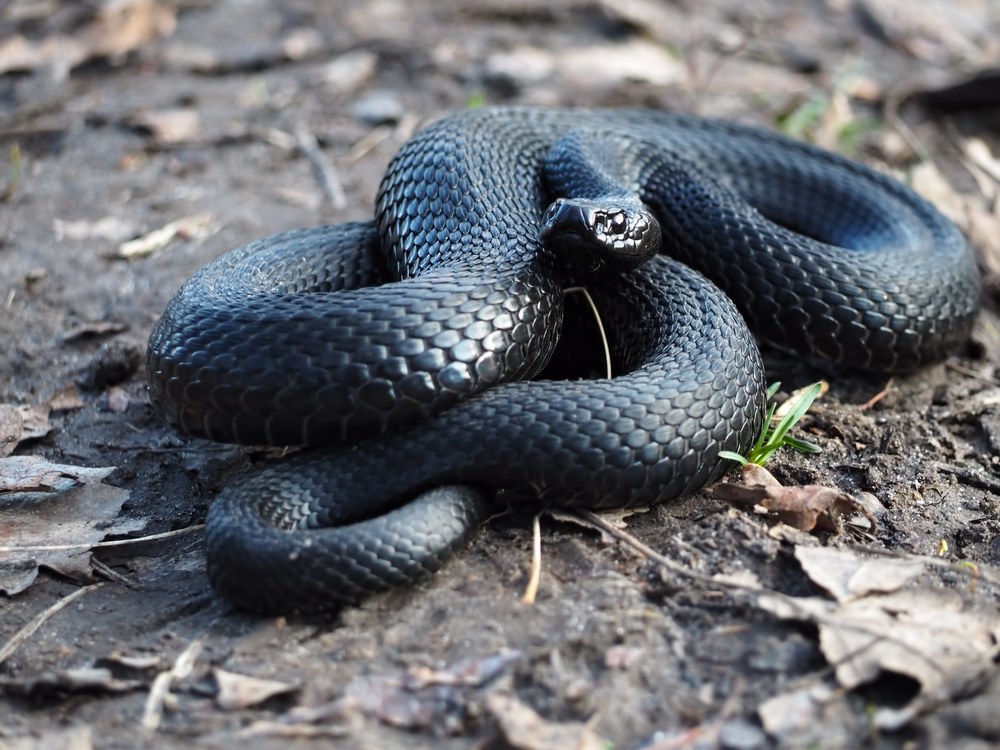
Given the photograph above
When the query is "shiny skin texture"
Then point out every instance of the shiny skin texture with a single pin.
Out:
(402, 338)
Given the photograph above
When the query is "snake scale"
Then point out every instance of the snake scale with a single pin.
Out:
(411, 346)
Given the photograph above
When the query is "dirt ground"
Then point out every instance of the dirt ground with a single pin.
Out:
(142, 139)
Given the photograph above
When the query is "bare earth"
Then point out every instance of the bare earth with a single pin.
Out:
(242, 119)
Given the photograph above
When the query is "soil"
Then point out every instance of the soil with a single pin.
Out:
(226, 118)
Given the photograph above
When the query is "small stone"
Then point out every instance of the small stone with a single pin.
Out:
(740, 734)
(378, 108)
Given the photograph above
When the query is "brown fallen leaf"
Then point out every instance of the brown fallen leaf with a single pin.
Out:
(67, 399)
(109, 228)
(19, 422)
(806, 507)
(169, 126)
(848, 575)
(924, 633)
(236, 691)
(198, 225)
(78, 680)
(92, 330)
(386, 698)
(117, 27)
(523, 729)
(77, 737)
(52, 514)
(470, 672)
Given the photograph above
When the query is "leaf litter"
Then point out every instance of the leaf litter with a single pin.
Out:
(52, 515)
(879, 624)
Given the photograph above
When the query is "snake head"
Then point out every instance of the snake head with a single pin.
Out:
(592, 233)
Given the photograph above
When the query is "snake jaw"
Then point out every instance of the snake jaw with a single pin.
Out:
(593, 233)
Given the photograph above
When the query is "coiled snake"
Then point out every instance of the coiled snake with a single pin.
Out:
(412, 340)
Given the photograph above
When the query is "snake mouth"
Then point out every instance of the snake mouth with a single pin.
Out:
(567, 232)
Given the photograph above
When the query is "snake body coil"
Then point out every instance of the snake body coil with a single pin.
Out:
(390, 336)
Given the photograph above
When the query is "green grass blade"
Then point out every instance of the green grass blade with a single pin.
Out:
(733, 457)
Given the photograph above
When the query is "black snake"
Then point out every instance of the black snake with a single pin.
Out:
(412, 340)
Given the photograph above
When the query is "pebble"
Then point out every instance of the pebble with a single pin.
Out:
(378, 108)
(740, 734)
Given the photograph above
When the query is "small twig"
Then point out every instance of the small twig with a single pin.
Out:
(600, 325)
(878, 396)
(368, 143)
(95, 545)
(325, 171)
(28, 630)
(968, 372)
(595, 520)
(531, 590)
(111, 574)
(893, 102)
(152, 714)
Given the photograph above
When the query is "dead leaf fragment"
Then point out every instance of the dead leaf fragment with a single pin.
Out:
(524, 729)
(67, 399)
(93, 330)
(169, 126)
(386, 698)
(926, 634)
(474, 672)
(110, 228)
(236, 691)
(805, 507)
(198, 225)
(78, 737)
(114, 29)
(848, 575)
(53, 513)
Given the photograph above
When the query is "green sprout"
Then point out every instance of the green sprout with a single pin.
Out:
(775, 436)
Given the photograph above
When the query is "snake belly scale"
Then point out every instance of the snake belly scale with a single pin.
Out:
(408, 344)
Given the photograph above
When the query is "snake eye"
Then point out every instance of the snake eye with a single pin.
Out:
(618, 222)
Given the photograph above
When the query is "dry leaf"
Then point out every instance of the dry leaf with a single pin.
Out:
(92, 330)
(523, 729)
(387, 699)
(67, 399)
(236, 691)
(788, 715)
(169, 126)
(116, 28)
(198, 225)
(77, 737)
(925, 634)
(470, 672)
(20, 423)
(110, 228)
(847, 575)
(806, 508)
(53, 505)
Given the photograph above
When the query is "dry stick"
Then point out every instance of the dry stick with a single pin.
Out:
(878, 396)
(531, 590)
(595, 520)
(325, 172)
(95, 545)
(968, 372)
(892, 105)
(535, 577)
(28, 630)
(600, 324)
(152, 714)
